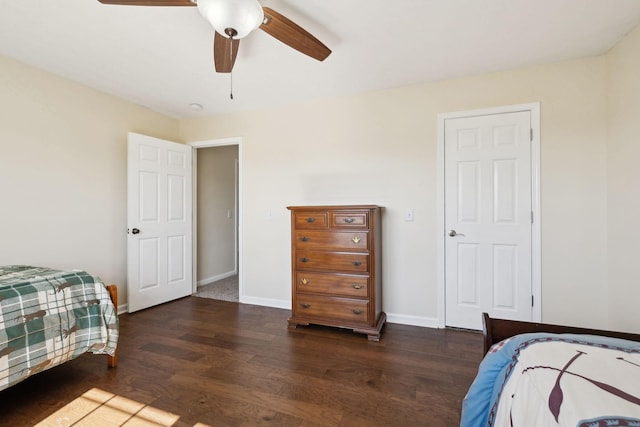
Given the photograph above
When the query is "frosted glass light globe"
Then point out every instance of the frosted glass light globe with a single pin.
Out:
(235, 18)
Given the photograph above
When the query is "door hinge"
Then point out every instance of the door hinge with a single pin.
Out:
(531, 217)
(531, 300)
(531, 134)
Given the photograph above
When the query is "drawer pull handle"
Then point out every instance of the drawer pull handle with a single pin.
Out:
(311, 219)
(304, 280)
(356, 311)
(305, 259)
(305, 239)
(357, 263)
(305, 305)
(355, 239)
(349, 220)
(357, 286)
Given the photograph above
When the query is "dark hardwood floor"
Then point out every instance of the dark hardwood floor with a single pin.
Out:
(226, 364)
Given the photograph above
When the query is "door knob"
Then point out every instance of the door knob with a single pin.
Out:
(454, 233)
(135, 231)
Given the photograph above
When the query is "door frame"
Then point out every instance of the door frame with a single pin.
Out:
(536, 266)
(220, 142)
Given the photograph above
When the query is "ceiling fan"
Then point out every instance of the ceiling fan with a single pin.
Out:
(234, 19)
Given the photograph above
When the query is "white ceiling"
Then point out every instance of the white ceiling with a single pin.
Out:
(161, 57)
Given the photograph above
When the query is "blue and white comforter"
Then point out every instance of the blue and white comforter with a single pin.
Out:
(556, 380)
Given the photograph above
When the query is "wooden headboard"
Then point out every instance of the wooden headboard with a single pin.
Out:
(496, 330)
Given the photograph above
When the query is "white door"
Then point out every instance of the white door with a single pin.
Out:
(159, 212)
(488, 218)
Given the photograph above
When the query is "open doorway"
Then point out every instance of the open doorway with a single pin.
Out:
(216, 223)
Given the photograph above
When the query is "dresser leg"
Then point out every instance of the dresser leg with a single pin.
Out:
(293, 324)
(373, 334)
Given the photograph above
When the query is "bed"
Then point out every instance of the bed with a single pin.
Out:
(48, 317)
(536, 374)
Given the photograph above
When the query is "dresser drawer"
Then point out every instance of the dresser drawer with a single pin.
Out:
(333, 261)
(349, 220)
(311, 220)
(333, 284)
(332, 240)
(332, 308)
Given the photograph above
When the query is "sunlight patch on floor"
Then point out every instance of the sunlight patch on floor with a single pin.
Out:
(100, 408)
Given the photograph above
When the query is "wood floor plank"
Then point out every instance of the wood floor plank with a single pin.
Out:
(249, 396)
(207, 362)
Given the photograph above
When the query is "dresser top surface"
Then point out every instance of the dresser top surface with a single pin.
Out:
(332, 207)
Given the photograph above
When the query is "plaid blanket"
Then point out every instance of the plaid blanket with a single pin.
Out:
(48, 317)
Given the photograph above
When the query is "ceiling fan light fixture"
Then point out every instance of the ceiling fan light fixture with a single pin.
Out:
(232, 18)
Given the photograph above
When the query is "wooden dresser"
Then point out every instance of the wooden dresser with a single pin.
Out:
(336, 268)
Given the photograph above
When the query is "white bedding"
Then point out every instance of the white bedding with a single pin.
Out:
(558, 383)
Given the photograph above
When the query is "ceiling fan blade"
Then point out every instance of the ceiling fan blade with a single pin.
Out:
(291, 34)
(225, 51)
(150, 2)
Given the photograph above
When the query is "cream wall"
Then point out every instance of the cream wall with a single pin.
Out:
(381, 148)
(624, 183)
(63, 172)
(63, 167)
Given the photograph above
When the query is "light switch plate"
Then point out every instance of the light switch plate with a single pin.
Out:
(408, 214)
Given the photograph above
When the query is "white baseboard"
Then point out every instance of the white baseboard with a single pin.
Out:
(212, 279)
(267, 302)
(403, 319)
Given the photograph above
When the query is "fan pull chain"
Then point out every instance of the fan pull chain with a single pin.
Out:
(231, 72)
